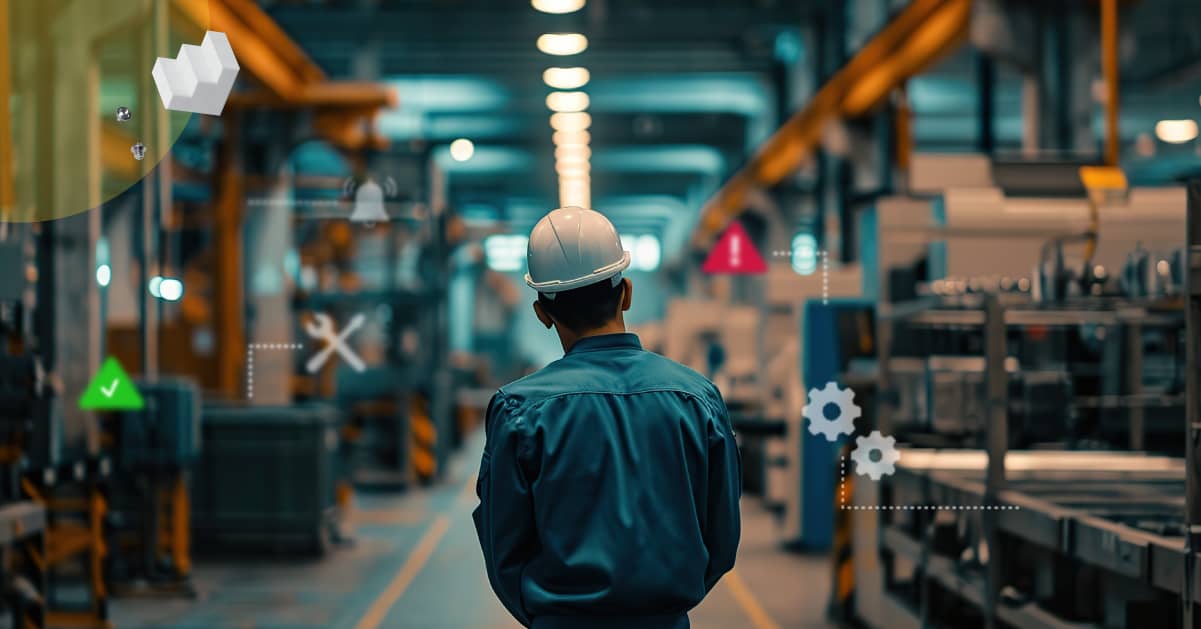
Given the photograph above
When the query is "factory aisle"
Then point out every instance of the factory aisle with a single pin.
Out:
(416, 564)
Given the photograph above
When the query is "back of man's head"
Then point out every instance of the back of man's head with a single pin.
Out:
(586, 308)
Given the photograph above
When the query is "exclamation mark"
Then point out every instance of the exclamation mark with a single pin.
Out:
(735, 251)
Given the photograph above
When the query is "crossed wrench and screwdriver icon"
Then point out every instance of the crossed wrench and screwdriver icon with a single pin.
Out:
(322, 328)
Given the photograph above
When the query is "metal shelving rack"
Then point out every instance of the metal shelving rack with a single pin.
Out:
(1192, 468)
(1047, 539)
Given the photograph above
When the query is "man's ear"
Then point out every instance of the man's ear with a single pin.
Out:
(626, 294)
(542, 315)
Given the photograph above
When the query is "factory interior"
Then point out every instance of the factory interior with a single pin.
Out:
(262, 269)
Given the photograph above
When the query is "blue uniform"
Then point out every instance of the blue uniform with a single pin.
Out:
(608, 490)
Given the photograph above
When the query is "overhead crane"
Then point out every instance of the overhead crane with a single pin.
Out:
(919, 35)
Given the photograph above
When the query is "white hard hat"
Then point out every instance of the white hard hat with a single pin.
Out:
(573, 247)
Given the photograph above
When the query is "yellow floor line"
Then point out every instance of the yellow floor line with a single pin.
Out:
(468, 496)
(411, 567)
(747, 601)
(416, 561)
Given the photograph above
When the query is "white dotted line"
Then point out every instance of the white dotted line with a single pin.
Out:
(250, 347)
(781, 254)
(932, 507)
(825, 277)
(842, 502)
(842, 482)
(250, 371)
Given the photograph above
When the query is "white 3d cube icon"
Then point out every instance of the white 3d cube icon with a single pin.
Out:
(200, 78)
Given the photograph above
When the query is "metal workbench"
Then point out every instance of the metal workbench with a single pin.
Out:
(1113, 516)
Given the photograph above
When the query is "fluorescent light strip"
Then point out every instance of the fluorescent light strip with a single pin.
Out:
(558, 6)
(566, 78)
(562, 44)
(567, 101)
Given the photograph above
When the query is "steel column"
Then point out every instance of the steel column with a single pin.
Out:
(1192, 468)
(1134, 384)
(997, 382)
(903, 131)
(230, 320)
(986, 79)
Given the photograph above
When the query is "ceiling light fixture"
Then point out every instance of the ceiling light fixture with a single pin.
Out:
(462, 149)
(567, 101)
(562, 44)
(573, 152)
(561, 138)
(573, 170)
(104, 274)
(574, 185)
(558, 6)
(1176, 131)
(574, 121)
(566, 78)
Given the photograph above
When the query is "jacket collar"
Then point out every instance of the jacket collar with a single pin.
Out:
(625, 340)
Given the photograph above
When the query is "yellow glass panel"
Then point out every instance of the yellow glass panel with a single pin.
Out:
(66, 66)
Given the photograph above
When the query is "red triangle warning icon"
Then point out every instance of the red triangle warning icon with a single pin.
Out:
(734, 253)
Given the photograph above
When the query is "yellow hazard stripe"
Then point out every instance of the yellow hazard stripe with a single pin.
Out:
(423, 431)
(424, 463)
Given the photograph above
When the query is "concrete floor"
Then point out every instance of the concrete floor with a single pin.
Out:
(415, 563)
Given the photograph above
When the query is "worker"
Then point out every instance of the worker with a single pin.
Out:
(610, 480)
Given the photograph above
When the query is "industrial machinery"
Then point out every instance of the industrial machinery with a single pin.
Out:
(266, 480)
(53, 475)
(1041, 392)
(1027, 537)
(400, 422)
(154, 450)
(22, 520)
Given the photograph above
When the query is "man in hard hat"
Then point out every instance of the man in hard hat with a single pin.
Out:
(610, 481)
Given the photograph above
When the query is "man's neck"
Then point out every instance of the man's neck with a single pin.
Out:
(569, 339)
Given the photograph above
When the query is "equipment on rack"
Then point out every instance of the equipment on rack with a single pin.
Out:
(1017, 337)
(266, 478)
(154, 450)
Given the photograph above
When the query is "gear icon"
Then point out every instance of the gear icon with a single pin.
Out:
(875, 442)
(814, 411)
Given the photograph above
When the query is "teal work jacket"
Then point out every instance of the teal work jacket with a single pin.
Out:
(608, 490)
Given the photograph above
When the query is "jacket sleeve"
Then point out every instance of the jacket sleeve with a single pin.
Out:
(504, 519)
(723, 524)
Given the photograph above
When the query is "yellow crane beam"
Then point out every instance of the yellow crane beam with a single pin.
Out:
(291, 79)
(923, 32)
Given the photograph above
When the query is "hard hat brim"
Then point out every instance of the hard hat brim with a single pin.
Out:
(603, 273)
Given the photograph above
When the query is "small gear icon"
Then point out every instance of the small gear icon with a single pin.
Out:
(814, 411)
(875, 442)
